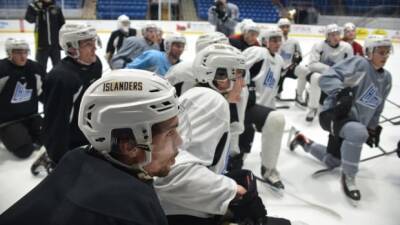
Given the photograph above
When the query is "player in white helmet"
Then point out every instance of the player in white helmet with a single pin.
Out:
(181, 75)
(130, 119)
(349, 36)
(161, 62)
(20, 87)
(357, 89)
(64, 88)
(117, 37)
(248, 37)
(135, 46)
(323, 55)
(291, 54)
(265, 65)
(201, 160)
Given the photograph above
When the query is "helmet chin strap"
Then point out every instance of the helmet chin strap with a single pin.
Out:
(137, 168)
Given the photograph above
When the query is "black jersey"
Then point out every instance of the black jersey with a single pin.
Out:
(63, 90)
(86, 189)
(20, 87)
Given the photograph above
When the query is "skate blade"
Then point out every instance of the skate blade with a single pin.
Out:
(320, 173)
(354, 203)
(293, 131)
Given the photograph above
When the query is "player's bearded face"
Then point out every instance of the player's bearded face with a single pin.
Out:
(334, 38)
(19, 57)
(285, 29)
(165, 148)
(251, 37)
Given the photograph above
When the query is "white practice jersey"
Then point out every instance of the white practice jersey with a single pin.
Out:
(288, 48)
(266, 81)
(323, 56)
(181, 74)
(195, 185)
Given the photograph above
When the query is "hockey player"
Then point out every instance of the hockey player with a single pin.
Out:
(133, 137)
(291, 53)
(117, 37)
(265, 65)
(349, 36)
(160, 62)
(134, 46)
(48, 19)
(247, 38)
(201, 161)
(20, 89)
(356, 89)
(64, 87)
(323, 55)
(224, 16)
(181, 75)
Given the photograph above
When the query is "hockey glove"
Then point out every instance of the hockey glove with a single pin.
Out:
(374, 136)
(248, 208)
(296, 60)
(344, 101)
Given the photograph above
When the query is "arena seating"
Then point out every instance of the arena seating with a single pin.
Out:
(22, 4)
(111, 9)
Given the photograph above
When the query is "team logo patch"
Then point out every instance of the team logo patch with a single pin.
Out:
(21, 93)
(370, 97)
(269, 79)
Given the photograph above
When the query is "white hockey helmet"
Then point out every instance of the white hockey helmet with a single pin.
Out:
(373, 41)
(248, 25)
(332, 28)
(173, 38)
(126, 99)
(16, 44)
(284, 22)
(123, 22)
(149, 26)
(218, 61)
(207, 39)
(349, 27)
(267, 34)
(71, 34)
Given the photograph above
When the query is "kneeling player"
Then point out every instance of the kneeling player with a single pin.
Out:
(356, 89)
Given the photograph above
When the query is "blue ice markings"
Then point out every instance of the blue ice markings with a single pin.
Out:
(370, 97)
(21, 93)
(269, 81)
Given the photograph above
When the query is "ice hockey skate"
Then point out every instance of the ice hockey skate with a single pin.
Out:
(350, 189)
(271, 176)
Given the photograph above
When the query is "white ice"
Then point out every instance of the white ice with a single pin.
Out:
(378, 179)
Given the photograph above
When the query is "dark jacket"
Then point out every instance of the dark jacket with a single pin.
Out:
(63, 91)
(85, 189)
(48, 19)
(118, 36)
(20, 87)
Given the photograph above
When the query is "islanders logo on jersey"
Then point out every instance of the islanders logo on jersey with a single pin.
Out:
(370, 98)
(269, 81)
(21, 93)
(286, 55)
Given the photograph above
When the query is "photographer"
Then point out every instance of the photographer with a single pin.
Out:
(224, 16)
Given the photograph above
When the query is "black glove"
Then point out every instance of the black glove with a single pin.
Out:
(250, 205)
(344, 101)
(248, 208)
(374, 135)
(296, 60)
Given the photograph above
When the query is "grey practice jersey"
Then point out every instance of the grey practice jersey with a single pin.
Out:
(195, 185)
(131, 48)
(288, 48)
(323, 56)
(181, 73)
(371, 88)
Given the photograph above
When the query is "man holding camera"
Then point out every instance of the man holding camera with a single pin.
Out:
(224, 16)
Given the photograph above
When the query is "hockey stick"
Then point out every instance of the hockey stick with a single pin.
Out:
(379, 155)
(317, 206)
(20, 120)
